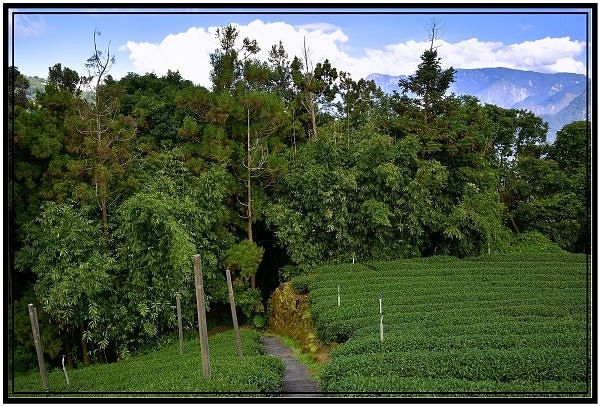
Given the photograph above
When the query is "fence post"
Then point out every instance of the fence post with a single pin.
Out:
(35, 327)
(179, 322)
(201, 317)
(236, 330)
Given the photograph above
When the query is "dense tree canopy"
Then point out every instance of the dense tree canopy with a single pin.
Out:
(113, 191)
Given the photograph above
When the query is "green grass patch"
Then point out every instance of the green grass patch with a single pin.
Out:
(168, 372)
(512, 323)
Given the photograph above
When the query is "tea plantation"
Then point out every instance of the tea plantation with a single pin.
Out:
(166, 372)
(513, 324)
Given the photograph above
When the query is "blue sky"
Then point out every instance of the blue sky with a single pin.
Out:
(387, 41)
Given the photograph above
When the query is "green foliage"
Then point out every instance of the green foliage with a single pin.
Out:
(39, 154)
(572, 147)
(151, 101)
(379, 386)
(532, 242)
(301, 283)
(248, 300)
(287, 272)
(380, 201)
(227, 66)
(189, 129)
(63, 78)
(244, 257)
(429, 84)
(155, 257)
(259, 321)
(516, 365)
(554, 190)
(334, 208)
(17, 87)
(476, 223)
(496, 322)
(514, 132)
(174, 216)
(22, 360)
(66, 252)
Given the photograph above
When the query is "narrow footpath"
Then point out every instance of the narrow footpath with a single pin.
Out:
(296, 379)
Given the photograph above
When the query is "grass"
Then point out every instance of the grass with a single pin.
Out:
(166, 372)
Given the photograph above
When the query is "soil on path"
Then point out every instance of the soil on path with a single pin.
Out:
(296, 379)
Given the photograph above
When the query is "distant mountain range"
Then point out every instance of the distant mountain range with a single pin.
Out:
(557, 98)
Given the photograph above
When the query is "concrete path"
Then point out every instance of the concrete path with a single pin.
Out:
(296, 379)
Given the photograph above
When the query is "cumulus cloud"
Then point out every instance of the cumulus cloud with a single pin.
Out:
(188, 52)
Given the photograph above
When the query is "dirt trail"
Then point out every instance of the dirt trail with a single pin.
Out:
(296, 379)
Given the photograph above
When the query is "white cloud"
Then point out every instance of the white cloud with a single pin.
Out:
(547, 55)
(188, 52)
(317, 26)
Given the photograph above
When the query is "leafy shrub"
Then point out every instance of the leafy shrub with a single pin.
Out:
(244, 257)
(259, 321)
(249, 301)
(534, 241)
(288, 272)
(301, 284)
(23, 360)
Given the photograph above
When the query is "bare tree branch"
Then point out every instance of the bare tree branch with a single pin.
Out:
(434, 29)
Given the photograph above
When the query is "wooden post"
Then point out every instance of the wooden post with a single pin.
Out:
(38, 344)
(236, 330)
(179, 322)
(339, 296)
(201, 317)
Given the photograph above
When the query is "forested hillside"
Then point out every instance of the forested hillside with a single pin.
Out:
(110, 195)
